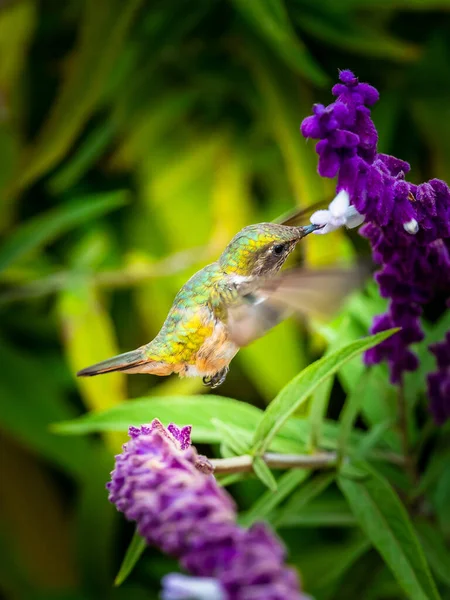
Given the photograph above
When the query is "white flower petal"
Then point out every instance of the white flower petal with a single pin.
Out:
(353, 217)
(337, 222)
(340, 204)
(411, 227)
(184, 587)
(329, 227)
(320, 217)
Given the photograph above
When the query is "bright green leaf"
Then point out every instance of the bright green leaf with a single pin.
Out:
(230, 437)
(302, 386)
(263, 473)
(197, 411)
(132, 555)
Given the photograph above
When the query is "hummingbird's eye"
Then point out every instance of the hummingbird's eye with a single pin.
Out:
(279, 249)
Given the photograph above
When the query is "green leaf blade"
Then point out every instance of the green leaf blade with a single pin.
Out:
(43, 229)
(132, 555)
(301, 387)
(385, 521)
(264, 474)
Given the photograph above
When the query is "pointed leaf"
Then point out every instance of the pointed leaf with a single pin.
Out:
(230, 437)
(270, 500)
(263, 473)
(270, 19)
(197, 411)
(41, 230)
(385, 521)
(305, 494)
(132, 555)
(302, 386)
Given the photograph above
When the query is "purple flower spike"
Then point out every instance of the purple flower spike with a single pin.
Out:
(407, 225)
(161, 482)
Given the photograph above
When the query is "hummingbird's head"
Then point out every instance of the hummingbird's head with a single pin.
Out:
(261, 249)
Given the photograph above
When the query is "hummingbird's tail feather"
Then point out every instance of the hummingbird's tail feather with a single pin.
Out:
(121, 362)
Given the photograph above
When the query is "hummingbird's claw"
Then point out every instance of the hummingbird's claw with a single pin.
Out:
(213, 381)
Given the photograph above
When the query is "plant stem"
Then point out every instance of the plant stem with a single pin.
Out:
(128, 276)
(243, 464)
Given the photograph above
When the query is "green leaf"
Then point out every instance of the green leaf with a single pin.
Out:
(88, 336)
(301, 387)
(385, 521)
(305, 494)
(132, 555)
(31, 400)
(197, 411)
(360, 38)
(322, 512)
(350, 412)
(103, 30)
(324, 563)
(373, 438)
(90, 151)
(270, 19)
(317, 411)
(46, 227)
(436, 550)
(270, 500)
(263, 473)
(230, 437)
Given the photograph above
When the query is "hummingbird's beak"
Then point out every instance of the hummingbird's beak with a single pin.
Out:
(307, 229)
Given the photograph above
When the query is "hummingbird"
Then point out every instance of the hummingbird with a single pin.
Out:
(231, 302)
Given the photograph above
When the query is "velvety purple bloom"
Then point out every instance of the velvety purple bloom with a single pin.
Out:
(161, 482)
(407, 225)
(439, 382)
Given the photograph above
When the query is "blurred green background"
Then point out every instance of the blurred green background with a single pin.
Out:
(136, 138)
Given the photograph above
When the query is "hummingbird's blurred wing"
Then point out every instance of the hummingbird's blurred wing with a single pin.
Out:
(297, 216)
(268, 302)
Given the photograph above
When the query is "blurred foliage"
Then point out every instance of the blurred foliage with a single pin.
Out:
(135, 139)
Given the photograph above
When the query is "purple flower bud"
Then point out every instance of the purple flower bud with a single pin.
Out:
(408, 226)
(161, 482)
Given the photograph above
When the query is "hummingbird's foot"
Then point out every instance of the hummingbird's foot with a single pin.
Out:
(213, 381)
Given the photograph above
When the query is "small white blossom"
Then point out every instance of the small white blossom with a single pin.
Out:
(340, 212)
(411, 227)
(183, 587)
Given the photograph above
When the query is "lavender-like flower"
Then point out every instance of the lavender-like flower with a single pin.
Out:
(161, 482)
(407, 225)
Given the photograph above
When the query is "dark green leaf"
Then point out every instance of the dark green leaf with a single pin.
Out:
(385, 521)
(104, 28)
(271, 20)
(322, 512)
(270, 500)
(305, 494)
(436, 550)
(47, 226)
